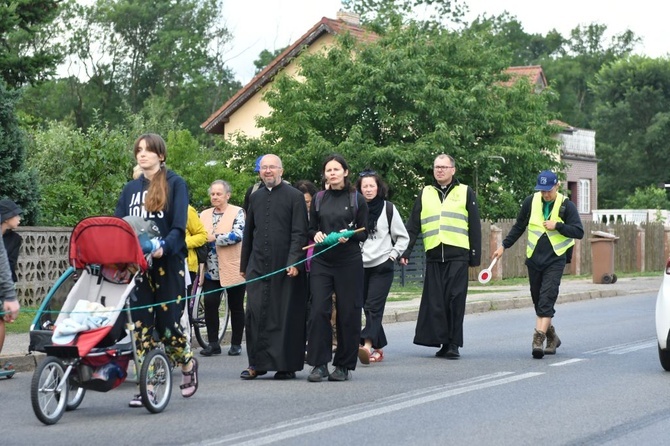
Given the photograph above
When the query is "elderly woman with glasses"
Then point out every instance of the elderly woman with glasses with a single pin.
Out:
(387, 240)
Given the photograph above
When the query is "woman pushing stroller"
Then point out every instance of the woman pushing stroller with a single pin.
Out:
(160, 195)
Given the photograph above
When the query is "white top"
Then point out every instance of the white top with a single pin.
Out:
(384, 244)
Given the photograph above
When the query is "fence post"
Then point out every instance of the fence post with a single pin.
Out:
(639, 249)
(576, 264)
(495, 240)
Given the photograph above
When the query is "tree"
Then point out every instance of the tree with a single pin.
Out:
(81, 172)
(125, 52)
(395, 103)
(27, 51)
(265, 57)
(650, 197)
(572, 74)
(16, 181)
(633, 126)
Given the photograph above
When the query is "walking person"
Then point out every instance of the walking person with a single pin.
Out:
(553, 224)
(10, 215)
(387, 240)
(274, 236)
(339, 270)
(160, 195)
(447, 215)
(224, 224)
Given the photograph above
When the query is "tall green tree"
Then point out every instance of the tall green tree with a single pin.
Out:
(17, 182)
(127, 51)
(583, 54)
(396, 103)
(633, 124)
(28, 52)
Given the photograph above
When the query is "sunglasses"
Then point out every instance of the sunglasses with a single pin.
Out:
(367, 173)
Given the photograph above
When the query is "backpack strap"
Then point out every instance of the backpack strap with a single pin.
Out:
(561, 210)
(389, 213)
(317, 199)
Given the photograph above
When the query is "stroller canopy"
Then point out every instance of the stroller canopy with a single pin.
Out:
(105, 240)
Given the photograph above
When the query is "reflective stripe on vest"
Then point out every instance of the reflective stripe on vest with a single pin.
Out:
(559, 242)
(447, 221)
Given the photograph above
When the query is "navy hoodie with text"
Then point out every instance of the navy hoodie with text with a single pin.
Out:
(171, 220)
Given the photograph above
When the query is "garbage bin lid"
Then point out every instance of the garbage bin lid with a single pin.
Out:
(604, 235)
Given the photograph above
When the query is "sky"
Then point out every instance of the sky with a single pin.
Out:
(271, 24)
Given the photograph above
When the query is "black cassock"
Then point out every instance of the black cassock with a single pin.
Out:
(274, 234)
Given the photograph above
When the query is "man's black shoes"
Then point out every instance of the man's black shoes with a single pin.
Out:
(449, 351)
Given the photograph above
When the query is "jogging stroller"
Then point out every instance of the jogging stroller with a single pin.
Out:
(89, 344)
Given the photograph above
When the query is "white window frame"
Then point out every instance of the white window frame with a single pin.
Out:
(584, 194)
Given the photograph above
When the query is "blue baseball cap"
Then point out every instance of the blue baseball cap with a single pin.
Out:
(257, 166)
(546, 180)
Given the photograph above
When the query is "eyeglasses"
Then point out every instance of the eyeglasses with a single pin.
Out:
(367, 173)
(270, 167)
(442, 167)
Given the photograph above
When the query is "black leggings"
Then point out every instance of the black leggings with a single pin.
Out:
(212, 299)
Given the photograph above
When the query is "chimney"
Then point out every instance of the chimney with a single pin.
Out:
(349, 17)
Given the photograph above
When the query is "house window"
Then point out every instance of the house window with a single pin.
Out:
(584, 196)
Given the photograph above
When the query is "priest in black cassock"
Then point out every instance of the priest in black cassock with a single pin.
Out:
(274, 235)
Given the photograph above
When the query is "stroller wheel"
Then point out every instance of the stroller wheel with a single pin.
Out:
(75, 395)
(47, 395)
(156, 381)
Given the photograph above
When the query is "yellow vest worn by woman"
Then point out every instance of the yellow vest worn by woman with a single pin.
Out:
(559, 242)
(444, 221)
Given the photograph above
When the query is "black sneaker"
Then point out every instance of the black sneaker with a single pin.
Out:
(340, 374)
(452, 352)
(211, 349)
(441, 353)
(318, 373)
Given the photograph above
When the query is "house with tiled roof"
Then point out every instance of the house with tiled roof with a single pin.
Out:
(239, 113)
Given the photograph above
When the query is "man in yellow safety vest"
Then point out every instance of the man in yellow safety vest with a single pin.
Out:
(553, 224)
(447, 216)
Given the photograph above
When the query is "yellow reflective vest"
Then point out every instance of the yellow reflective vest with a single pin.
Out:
(559, 242)
(444, 221)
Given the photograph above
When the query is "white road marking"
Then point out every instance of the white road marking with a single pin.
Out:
(569, 361)
(306, 425)
(624, 348)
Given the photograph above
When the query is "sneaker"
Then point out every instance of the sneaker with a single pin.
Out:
(452, 352)
(211, 349)
(136, 401)
(340, 374)
(538, 344)
(553, 341)
(318, 373)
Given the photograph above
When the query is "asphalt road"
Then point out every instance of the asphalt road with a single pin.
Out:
(605, 386)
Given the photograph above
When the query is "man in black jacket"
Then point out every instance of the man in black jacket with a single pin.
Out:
(553, 224)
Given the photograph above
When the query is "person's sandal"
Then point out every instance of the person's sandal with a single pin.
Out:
(377, 356)
(364, 354)
(189, 381)
(251, 373)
